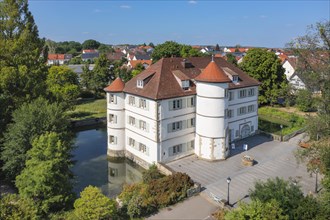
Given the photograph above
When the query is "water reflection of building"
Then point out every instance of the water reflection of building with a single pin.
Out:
(120, 172)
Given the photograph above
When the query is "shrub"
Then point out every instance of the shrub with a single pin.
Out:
(305, 101)
(170, 189)
(151, 174)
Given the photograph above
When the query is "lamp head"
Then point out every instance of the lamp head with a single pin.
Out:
(228, 180)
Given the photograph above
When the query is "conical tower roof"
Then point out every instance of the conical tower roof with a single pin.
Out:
(212, 73)
(117, 85)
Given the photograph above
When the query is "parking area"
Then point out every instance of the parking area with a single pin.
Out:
(272, 158)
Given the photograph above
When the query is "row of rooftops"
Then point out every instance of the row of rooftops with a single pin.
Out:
(162, 79)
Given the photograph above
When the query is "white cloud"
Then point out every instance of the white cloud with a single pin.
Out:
(262, 16)
(125, 6)
(85, 32)
(192, 2)
(96, 10)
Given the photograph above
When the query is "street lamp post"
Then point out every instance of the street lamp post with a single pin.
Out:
(228, 182)
(281, 126)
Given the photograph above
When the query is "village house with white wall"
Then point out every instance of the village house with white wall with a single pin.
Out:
(179, 107)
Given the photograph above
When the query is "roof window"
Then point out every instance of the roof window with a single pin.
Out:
(139, 83)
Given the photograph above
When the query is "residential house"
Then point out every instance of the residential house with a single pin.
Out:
(58, 59)
(145, 63)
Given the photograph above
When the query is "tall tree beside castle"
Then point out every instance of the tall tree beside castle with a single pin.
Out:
(22, 58)
(267, 69)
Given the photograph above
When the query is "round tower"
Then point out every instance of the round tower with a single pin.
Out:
(116, 118)
(211, 140)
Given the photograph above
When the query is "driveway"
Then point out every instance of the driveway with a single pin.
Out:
(272, 158)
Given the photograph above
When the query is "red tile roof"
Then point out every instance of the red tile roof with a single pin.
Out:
(135, 62)
(212, 73)
(116, 86)
(160, 78)
(56, 56)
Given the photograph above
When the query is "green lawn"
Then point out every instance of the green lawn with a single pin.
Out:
(271, 118)
(89, 109)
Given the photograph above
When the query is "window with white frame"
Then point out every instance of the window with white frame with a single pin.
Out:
(131, 100)
(131, 120)
(131, 142)
(175, 126)
(251, 108)
(112, 118)
(112, 139)
(235, 79)
(112, 99)
(176, 149)
(143, 125)
(242, 93)
(191, 145)
(191, 102)
(241, 110)
(230, 113)
(143, 103)
(142, 148)
(176, 104)
(139, 83)
(191, 122)
(231, 95)
(226, 93)
(185, 84)
(251, 92)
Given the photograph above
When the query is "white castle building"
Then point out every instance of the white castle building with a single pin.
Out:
(178, 107)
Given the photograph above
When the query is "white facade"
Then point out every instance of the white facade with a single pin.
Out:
(163, 116)
(164, 130)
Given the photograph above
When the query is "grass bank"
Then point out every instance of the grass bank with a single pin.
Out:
(96, 108)
(271, 118)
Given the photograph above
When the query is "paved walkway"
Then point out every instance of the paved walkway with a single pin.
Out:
(273, 159)
(194, 208)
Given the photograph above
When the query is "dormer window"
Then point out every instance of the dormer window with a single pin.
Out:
(139, 83)
(185, 84)
(235, 79)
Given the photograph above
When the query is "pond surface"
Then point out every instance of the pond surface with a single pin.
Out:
(93, 167)
(270, 127)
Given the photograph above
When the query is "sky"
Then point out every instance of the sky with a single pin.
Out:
(227, 23)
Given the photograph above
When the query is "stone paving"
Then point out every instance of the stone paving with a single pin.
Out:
(272, 158)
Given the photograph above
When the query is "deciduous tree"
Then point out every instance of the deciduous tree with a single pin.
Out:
(266, 67)
(63, 85)
(92, 204)
(47, 178)
(90, 44)
(257, 210)
(22, 69)
(29, 121)
(13, 207)
(313, 52)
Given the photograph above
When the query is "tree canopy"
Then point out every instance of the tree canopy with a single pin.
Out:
(30, 121)
(63, 85)
(313, 53)
(47, 175)
(92, 204)
(266, 67)
(22, 69)
(97, 79)
(90, 44)
(174, 49)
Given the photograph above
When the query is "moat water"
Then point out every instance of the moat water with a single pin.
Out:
(93, 167)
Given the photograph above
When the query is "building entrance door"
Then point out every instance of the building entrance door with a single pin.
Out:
(245, 131)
